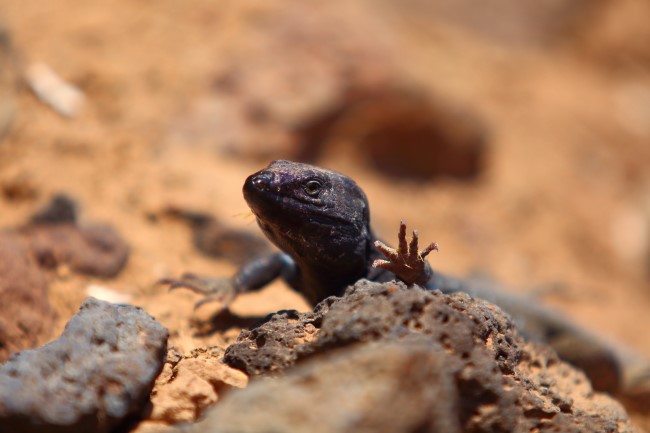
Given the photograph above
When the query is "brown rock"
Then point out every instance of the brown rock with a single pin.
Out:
(379, 387)
(406, 134)
(273, 346)
(190, 383)
(26, 316)
(96, 250)
(369, 311)
(55, 238)
(498, 382)
(51, 238)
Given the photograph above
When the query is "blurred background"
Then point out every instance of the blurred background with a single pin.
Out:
(515, 134)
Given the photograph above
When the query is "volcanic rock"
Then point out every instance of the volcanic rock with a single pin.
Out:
(96, 376)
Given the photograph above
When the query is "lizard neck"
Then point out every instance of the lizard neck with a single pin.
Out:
(329, 274)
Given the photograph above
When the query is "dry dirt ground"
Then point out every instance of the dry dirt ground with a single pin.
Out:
(561, 210)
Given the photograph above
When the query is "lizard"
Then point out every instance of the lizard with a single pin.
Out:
(320, 222)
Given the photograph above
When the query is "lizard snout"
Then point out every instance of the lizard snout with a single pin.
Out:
(257, 187)
(260, 181)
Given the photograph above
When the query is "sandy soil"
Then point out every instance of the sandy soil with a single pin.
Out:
(562, 209)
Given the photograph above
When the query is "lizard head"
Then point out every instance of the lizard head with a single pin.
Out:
(310, 213)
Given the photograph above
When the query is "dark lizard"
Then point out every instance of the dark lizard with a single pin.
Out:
(320, 221)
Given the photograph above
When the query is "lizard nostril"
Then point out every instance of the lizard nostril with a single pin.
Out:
(259, 182)
(262, 180)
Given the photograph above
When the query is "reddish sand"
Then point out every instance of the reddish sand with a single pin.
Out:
(563, 208)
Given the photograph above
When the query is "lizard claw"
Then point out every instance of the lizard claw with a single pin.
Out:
(406, 262)
(214, 289)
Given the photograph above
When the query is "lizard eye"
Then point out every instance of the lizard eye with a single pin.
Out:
(313, 187)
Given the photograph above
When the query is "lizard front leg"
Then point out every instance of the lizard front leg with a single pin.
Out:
(406, 262)
(252, 276)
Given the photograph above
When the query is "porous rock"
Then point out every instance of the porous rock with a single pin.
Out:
(272, 346)
(497, 381)
(26, 316)
(368, 311)
(96, 376)
(379, 387)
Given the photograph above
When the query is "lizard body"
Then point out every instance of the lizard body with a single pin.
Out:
(320, 220)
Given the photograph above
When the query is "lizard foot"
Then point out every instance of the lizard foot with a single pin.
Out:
(406, 262)
(214, 289)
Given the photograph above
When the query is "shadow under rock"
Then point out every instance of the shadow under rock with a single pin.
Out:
(226, 320)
